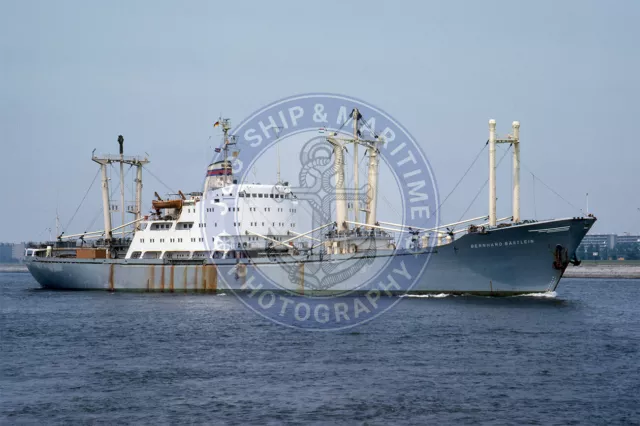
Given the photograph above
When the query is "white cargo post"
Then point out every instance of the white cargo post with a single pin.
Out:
(492, 172)
(373, 184)
(356, 171)
(341, 202)
(516, 171)
(138, 193)
(121, 142)
(105, 201)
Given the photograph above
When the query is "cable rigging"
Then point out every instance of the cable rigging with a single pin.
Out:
(81, 202)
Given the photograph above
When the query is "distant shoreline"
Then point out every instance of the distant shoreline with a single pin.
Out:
(629, 269)
(13, 267)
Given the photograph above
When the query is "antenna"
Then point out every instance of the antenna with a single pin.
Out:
(228, 139)
(587, 211)
(57, 217)
(277, 131)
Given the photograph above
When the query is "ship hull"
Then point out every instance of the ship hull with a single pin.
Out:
(506, 261)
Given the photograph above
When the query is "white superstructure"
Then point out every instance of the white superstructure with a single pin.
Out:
(237, 218)
(232, 215)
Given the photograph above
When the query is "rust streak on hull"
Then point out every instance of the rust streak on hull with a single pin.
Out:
(301, 278)
(152, 278)
(184, 279)
(171, 277)
(162, 278)
(211, 278)
(203, 278)
(111, 287)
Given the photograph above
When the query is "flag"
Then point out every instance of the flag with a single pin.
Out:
(217, 149)
(216, 124)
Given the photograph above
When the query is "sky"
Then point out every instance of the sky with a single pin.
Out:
(75, 74)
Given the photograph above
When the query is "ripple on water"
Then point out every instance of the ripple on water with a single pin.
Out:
(546, 358)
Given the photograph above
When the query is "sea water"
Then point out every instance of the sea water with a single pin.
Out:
(105, 358)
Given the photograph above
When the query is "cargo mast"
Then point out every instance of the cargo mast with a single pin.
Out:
(512, 139)
(121, 159)
(372, 176)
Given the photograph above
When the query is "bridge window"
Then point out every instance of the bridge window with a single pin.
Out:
(151, 255)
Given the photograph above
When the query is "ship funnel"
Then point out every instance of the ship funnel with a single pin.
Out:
(219, 175)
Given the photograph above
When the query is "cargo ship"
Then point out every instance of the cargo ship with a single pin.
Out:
(215, 239)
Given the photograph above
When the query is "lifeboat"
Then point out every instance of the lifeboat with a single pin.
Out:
(166, 204)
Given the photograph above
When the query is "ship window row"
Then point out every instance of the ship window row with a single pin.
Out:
(157, 226)
(258, 195)
(172, 240)
(231, 209)
(258, 238)
(185, 225)
(293, 225)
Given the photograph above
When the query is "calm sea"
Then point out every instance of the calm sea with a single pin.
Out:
(101, 358)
